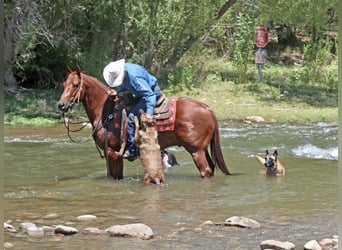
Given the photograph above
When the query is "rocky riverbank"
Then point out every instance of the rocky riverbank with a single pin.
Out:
(145, 232)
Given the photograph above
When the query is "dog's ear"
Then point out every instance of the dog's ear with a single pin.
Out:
(275, 154)
(266, 152)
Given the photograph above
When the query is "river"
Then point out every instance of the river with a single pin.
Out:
(45, 173)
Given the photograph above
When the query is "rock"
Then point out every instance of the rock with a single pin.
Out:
(60, 229)
(326, 243)
(51, 216)
(137, 230)
(277, 245)
(335, 239)
(241, 222)
(207, 223)
(312, 245)
(93, 230)
(86, 217)
(210, 223)
(8, 245)
(255, 118)
(35, 231)
(26, 225)
(9, 228)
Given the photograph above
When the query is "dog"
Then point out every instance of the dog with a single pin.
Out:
(169, 159)
(146, 139)
(272, 164)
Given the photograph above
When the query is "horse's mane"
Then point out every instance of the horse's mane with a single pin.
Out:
(92, 80)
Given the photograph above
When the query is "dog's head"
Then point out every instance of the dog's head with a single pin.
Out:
(271, 159)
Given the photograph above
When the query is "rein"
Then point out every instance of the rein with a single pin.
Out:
(67, 126)
(97, 127)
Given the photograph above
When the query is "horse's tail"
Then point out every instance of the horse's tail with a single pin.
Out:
(215, 150)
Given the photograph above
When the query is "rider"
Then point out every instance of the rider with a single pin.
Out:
(135, 79)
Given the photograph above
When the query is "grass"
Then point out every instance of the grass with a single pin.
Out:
(284, 95)
(235, 103)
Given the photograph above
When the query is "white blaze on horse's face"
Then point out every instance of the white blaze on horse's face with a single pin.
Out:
(71, 92)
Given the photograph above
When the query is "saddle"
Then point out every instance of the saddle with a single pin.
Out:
(165, 113)
(114, 115)
(163, 107)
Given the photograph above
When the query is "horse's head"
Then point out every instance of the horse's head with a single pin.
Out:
(72, 90)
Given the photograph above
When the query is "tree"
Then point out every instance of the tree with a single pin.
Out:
(43, 35)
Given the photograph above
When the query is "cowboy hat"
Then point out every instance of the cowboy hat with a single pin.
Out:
(114, 73)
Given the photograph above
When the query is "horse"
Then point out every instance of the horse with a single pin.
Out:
(195, 125)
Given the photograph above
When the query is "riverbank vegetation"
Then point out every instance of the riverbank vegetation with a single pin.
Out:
(278, 98)
(198, 49)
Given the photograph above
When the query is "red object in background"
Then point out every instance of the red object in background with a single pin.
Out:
(261, 36)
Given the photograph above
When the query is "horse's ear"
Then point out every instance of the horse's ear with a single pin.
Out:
(78, 70)
(69, 70)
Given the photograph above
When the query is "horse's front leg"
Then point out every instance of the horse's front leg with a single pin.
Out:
(114, 164)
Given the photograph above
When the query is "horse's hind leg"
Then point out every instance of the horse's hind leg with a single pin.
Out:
(201, 162)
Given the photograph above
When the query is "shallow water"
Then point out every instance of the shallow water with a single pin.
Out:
(46, 173)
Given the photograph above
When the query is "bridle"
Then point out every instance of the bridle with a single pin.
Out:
(76, 99)
(77, 95)
(97, 126)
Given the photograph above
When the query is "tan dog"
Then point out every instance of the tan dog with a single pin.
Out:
(272, 164)
(146, 139)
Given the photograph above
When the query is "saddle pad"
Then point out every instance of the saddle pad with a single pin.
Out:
(165, 115)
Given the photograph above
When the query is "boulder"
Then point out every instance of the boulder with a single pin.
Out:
(8, 245)
(86, 217)
(255, 118)
(312, 245)
(51, 216)
(241, 222)
(9, 228)
(277, 245)
(60, 229)
(329, 243)
(137, 230)
(25, 225)
(35, 231)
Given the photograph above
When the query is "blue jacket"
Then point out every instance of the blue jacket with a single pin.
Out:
(141, 83)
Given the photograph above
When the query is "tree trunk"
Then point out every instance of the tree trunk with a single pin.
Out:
(119, 46)
(179, 51)
(9, 55)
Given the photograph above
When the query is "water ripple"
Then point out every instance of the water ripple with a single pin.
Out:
(312, 151)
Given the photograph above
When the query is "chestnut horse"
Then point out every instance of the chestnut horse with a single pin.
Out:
(195, 125)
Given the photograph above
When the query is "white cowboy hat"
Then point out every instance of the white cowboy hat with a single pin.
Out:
(114, 73)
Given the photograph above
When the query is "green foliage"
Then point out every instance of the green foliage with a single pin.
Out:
(182, 80)
(214, 77)
(52, 34)
(317, 55)
(244, 44)
(297, 13)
